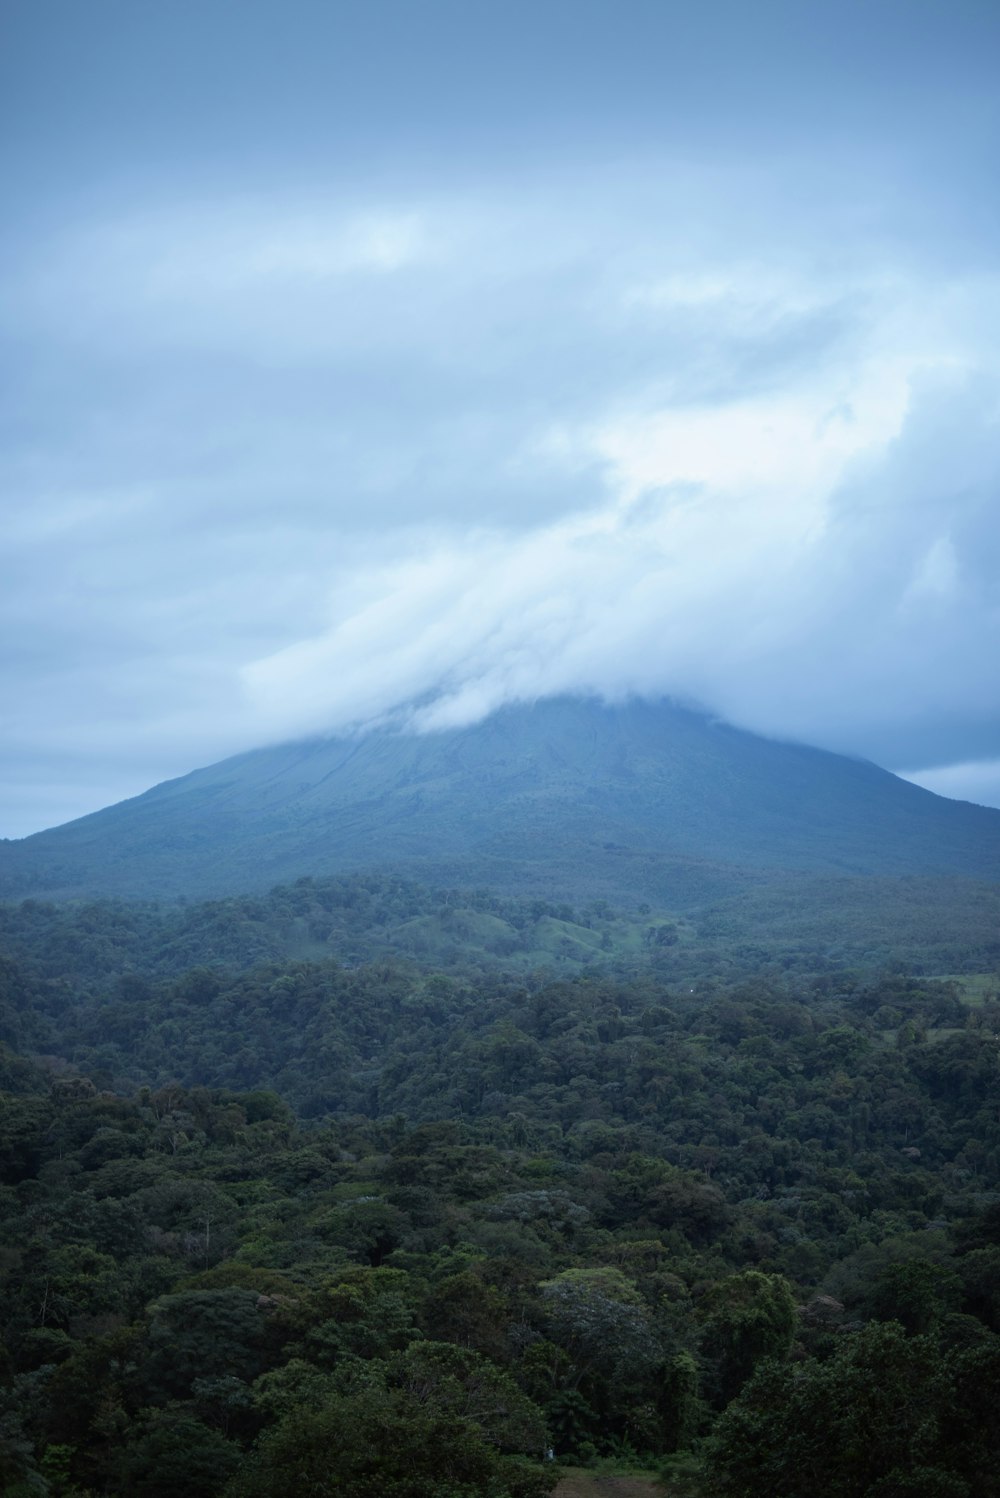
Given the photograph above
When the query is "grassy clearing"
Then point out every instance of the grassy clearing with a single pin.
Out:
(454, 934)
(973, 988)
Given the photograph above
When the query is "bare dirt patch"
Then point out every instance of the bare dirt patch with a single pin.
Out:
(580, 1484)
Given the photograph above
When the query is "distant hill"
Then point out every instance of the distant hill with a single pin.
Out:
(567, 797)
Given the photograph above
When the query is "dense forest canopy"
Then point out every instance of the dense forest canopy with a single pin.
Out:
(364, 1188)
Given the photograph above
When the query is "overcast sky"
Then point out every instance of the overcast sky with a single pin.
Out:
(368, 358)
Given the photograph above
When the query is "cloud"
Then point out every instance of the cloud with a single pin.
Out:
(800, 572)
(977, 781)
(292, 463)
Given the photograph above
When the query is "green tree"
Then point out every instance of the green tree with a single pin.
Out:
(745, 1317)
(205, 1333)
(600, 1319)
(170, 1452)
(437, 1422)
(871, 1420)
(916, 1293)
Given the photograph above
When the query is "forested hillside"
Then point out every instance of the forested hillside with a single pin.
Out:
(816, 924)
(282, 1224)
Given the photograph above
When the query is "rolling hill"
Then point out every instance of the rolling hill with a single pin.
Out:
(566, 795)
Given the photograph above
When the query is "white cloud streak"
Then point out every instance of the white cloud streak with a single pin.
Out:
(326, 463)
(977, 781)
(804, 571)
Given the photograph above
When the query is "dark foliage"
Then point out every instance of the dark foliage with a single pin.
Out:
(291, 1226)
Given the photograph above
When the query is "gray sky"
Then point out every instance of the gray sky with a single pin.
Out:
(385, 358)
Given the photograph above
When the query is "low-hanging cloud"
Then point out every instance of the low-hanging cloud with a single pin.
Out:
(295, 469)
(815, 562)
(817, 565)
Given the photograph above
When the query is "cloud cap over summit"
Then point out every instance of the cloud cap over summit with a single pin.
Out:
(367, 368)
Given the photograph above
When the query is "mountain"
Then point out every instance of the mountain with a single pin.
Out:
(565, 795)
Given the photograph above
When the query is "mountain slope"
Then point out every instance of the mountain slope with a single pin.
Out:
(566, 794)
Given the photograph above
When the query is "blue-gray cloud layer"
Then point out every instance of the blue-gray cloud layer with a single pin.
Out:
(368, 354)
